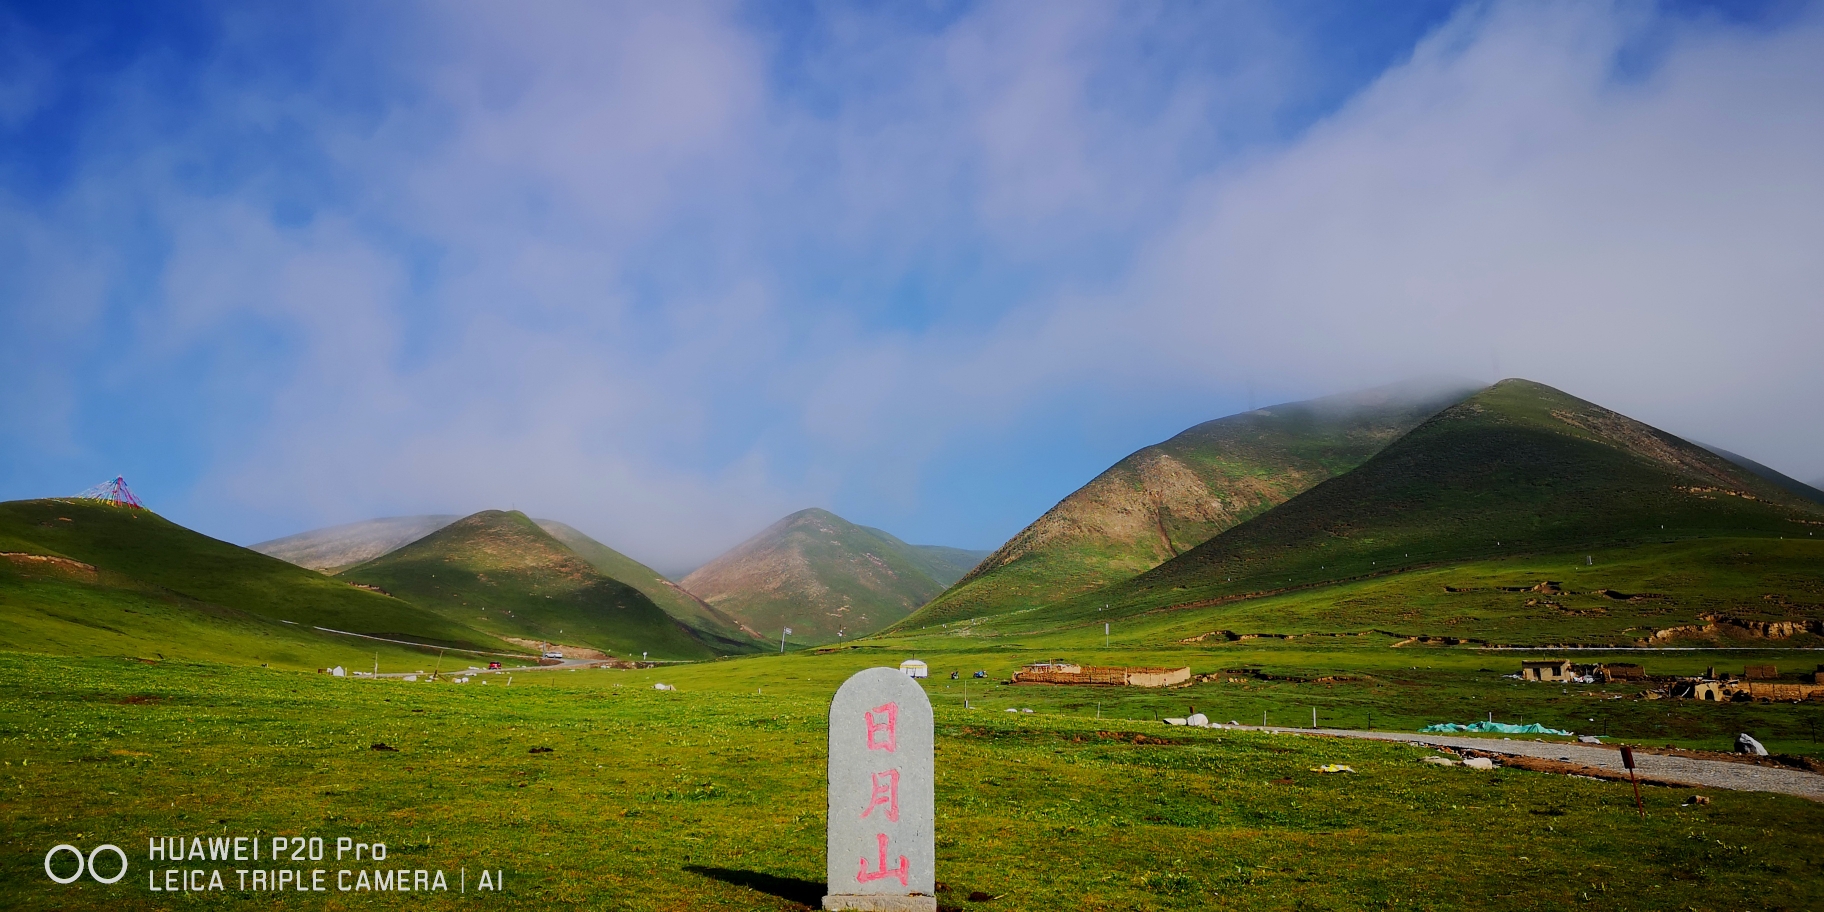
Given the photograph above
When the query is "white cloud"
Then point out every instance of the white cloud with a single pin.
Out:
(1504, 196)
(604, 263)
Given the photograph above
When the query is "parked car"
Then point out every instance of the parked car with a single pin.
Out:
(493, 665)
(554, 655)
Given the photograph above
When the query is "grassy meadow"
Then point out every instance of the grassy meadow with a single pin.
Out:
(711, 797)
(144, 698)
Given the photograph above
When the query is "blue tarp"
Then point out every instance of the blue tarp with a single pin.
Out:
(1501, 727)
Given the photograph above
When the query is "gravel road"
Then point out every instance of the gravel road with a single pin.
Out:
(1662, 767)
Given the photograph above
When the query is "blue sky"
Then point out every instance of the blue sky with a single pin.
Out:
(669, 271)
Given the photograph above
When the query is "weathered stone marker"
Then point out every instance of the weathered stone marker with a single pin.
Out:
(882, 855)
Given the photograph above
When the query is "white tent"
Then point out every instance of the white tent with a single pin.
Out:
(915, 668)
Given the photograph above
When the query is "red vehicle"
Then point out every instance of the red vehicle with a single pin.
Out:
(493, 665)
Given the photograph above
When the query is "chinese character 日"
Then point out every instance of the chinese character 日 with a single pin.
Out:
(890, 712)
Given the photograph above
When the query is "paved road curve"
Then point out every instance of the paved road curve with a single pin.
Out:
(1663, 767)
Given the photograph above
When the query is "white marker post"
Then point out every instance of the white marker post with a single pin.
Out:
(882, 851)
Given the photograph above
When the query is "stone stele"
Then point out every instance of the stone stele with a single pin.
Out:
(882, 852)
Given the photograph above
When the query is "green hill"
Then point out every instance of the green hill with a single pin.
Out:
(1170, 497)
(711, 624)
(946, 564)
(1516, 469)
(340, 547)
(500, 573)
(822, 576)
(86, 578)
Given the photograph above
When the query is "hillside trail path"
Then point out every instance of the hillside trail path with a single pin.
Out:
(1665, 769)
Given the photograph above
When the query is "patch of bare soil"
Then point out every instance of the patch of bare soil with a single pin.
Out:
(1539, 765)
(570, 652)
(46, 562)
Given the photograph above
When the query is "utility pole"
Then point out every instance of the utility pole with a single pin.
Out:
(376, 666)
(1104, 634)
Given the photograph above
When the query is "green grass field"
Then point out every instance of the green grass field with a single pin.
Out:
(1607, 597)
(711, 797)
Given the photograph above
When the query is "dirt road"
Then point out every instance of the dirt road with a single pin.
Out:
(1663, 768)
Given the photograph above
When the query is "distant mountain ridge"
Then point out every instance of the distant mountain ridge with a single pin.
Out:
(1170, 497)
(337, 548)
(500, 572)
(947, 564)
(825, 577)
(333, 548)
(710, 623)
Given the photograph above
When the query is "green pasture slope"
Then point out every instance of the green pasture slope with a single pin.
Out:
(711, 797)
(1613, 596)
(1167, 498)
(128, 582)
(1518, 469)
(713, 626)
(501, 573)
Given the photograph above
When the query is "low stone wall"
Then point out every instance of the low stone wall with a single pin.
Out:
(1759, 690)
(1130, 677)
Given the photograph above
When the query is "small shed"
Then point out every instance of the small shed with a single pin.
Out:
(915, 668)
(1546, 670)
(1623, 671)
(339, 672)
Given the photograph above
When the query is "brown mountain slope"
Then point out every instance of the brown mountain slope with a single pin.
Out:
(820, 575)
(1168, 498)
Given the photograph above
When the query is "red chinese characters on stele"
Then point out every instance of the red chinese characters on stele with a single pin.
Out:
(883, 736)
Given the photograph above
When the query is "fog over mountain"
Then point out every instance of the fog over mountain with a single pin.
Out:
(671, 271)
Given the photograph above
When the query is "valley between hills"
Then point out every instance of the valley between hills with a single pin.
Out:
(1378, 560)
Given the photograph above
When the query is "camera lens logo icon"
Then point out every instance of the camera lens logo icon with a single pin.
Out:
(85, 863)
